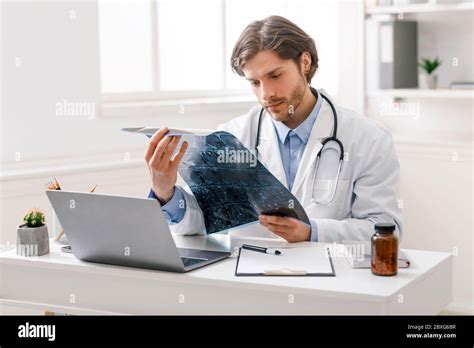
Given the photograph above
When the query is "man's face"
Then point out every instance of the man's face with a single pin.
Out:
(278, 83)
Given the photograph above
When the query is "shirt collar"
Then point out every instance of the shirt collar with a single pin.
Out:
(303, 131)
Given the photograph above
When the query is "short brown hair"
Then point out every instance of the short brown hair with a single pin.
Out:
(277, 34)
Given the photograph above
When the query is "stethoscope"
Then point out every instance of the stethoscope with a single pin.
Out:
(333, 137)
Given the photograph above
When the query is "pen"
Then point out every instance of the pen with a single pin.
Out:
(261, 249)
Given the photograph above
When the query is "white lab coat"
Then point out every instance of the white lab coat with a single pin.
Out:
(367, 191)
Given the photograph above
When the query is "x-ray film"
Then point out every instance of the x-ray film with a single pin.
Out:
(230, 185)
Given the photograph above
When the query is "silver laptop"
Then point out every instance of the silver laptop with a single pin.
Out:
(124, 231)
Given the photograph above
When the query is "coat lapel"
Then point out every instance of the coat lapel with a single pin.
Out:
(269, 151)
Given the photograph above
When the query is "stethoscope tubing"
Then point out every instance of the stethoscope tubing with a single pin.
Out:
(333, 137)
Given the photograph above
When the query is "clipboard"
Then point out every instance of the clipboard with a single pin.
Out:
(304, 262)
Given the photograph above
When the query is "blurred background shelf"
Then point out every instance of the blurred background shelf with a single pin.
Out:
(420, 8)
(423, 93)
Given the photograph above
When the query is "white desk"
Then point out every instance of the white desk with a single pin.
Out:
(59, 282)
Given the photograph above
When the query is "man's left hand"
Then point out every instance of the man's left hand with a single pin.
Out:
(291, 229)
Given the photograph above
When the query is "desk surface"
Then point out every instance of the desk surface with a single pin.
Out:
(348, 283)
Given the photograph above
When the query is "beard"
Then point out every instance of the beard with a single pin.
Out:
(287, 107)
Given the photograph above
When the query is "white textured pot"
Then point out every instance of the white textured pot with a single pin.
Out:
(32, 241)
(428, 81)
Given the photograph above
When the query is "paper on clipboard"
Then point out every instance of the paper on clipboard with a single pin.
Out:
(308, 261)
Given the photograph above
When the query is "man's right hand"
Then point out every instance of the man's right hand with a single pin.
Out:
(164, 170)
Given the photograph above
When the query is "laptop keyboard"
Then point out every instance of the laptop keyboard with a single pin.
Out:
(189, 261)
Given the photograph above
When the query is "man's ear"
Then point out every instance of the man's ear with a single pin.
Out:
(305, 60)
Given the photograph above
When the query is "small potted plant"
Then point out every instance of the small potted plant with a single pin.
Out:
(428, 80)
(32, 235)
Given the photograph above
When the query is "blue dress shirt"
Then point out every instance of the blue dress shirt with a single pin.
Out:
(175, 208)
(292, 143)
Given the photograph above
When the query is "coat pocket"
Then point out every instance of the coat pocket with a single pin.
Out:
(325, 204)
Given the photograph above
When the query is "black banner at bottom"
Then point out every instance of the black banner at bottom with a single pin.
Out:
(262, 330)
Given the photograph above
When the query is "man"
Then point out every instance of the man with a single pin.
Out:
(279, 60)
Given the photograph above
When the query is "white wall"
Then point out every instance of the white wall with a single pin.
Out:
(434, 142)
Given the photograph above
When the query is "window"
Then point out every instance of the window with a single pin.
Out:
(190, 45)
(125, 46)
(180, 49)
(157, 50)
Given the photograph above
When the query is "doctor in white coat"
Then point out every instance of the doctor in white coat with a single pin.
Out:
(279, 60)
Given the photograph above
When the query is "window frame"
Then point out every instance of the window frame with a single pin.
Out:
(155, 98)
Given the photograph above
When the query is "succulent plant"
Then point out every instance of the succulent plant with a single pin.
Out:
(34, 218)
(429, 65)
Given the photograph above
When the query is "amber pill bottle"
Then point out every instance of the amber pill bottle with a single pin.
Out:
(384, 261)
